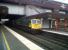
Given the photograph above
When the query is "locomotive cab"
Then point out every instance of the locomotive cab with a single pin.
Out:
(36, 23)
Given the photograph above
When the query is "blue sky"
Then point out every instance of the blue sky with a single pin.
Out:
(63, 1)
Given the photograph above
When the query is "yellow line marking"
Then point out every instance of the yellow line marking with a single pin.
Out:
(7, 45)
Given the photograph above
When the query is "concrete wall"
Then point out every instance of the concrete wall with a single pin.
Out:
(21, 10)
(32, 10)
(14, 9)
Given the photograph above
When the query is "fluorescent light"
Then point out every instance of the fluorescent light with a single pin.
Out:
(4, 19)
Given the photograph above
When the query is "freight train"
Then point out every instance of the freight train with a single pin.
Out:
(35, 23)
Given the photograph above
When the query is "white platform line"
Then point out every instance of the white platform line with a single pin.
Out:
(25, 41)
(61, 33)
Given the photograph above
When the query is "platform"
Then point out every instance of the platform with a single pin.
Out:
(11, 40)
(56, 31)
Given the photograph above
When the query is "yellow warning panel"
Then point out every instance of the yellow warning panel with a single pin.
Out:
(36, 26)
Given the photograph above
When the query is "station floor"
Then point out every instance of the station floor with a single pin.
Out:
(10, 40)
